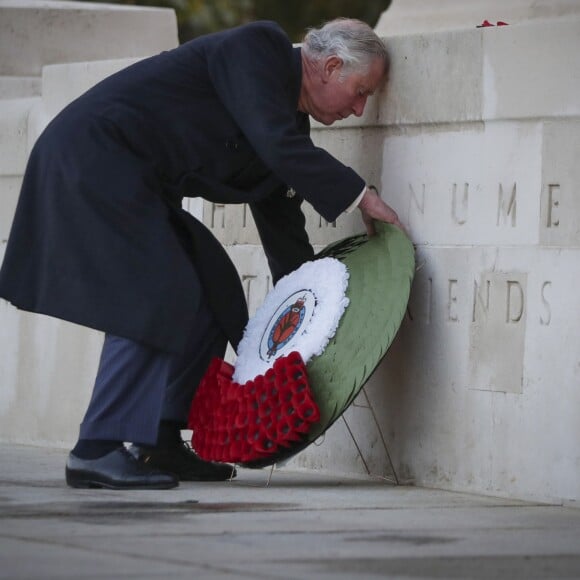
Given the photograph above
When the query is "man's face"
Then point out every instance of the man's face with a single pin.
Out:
(337, 98)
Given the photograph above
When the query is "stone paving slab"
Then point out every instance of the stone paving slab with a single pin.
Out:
(302, 526)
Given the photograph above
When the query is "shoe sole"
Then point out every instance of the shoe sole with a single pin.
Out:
(88, 483)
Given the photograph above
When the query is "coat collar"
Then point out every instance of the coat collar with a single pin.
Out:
(297, 70)
(302, 120)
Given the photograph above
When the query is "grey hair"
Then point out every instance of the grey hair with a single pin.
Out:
(353, 41)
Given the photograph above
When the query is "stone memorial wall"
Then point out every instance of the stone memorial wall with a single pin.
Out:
(51, 52)
(479, 141)
(475, 143)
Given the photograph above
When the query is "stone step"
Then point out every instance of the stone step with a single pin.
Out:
(34, 33)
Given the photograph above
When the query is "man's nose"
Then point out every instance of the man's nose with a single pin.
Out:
(359, 106)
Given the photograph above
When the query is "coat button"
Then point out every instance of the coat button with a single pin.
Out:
(291, 192)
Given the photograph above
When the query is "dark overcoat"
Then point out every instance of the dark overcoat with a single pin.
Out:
(99, 237)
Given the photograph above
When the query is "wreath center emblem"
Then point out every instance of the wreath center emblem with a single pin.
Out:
(290, 320)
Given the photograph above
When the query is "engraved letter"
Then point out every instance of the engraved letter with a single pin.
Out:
(245, 216)
(477, 299)
(507, 208)
(552, 203)
(452, 300)
(464, 204)
(247, 280)
(515, 307)
(218, 208)
(420, 204)
(545, 321)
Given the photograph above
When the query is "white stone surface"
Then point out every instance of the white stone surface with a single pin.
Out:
(404, 17)
(435, 78)
(532, 70)
(19, 87)
(469, 184)
(502, 417)
(560, 209)
(34, 33)
(47, 370)
(14, 147)
(9, 190)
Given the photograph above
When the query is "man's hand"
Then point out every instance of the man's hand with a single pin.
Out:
(372, 207)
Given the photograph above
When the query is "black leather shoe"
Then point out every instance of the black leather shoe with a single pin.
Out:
(119, 469)
(180, 459)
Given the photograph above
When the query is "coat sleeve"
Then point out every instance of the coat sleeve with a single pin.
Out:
(252, 71)
(280, 223)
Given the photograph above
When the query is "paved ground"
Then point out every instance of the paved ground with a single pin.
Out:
(303, 526)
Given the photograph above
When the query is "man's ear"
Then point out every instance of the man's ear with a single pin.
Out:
(332, 66)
